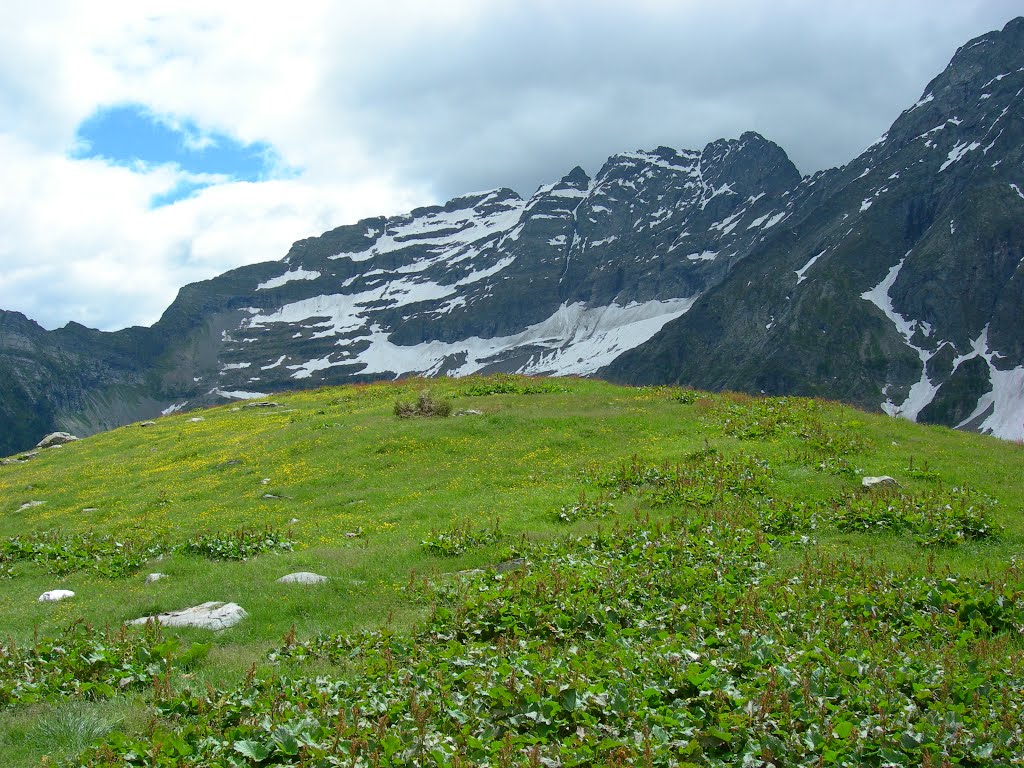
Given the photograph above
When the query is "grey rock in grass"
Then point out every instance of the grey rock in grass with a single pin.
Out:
(197, 418)
(469, 412)
(515, 564)
(302, 577)
(212, 615)
(30, 504)
(883, 481)
(21, 458)
(54, 595)
(147, 423)
(152, 577)
(262, 404)
(56, 438)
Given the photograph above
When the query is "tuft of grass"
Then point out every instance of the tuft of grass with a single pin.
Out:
(69, 728)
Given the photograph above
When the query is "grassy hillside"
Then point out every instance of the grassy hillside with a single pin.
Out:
(579, 574)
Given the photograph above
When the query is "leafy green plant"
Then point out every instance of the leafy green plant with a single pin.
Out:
(685, 396)
(460, 538)
(786, 516)
(84, 663)
(584, 509)
(61, 553)
(703, 478)
(936, 518)
(771, 418)
(922, 472)
(239, 544)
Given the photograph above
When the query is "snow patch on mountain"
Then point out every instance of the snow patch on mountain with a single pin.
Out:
(1006, 398)
(575, 340)
(461, 226)
(957, 152)
(287, 277)
(923, 391)
(800, 276)
(238, 394)
(480, 274)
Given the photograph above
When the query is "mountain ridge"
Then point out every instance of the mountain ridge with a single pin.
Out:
(893, 282)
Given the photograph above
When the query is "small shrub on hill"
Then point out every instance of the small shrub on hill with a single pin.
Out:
(59, 553)
(704, 478)
(425, 405)
(922, 472)
(769, 418)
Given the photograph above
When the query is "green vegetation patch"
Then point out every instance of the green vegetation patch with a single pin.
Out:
(61, 554)
(461, 538)
(661, 645)
(83, 662)
(939, 517)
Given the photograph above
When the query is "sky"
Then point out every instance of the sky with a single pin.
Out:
(149, 145)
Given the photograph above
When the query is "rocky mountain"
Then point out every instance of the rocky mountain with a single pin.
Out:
(898, 282)
(894, 282)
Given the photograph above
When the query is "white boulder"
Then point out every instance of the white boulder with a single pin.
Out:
(55, 438)
(55, 594)
(212, 615)
(302, 577)
(878, 482)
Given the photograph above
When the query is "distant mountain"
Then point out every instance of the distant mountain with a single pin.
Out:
(895, 283)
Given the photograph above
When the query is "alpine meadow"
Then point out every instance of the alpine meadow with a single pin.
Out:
(559, 572)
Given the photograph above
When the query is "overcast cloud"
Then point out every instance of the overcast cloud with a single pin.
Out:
(376, 108)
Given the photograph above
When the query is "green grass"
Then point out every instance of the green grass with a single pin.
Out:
(388, 508)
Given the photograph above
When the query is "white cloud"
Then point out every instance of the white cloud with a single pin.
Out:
(81, 242)
(393, 104)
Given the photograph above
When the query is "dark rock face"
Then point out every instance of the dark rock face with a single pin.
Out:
(894, 282)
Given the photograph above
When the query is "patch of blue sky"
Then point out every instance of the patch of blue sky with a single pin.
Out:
(133, 136)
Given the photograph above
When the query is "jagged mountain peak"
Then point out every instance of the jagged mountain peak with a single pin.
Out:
(577, 178)
(752, 163)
